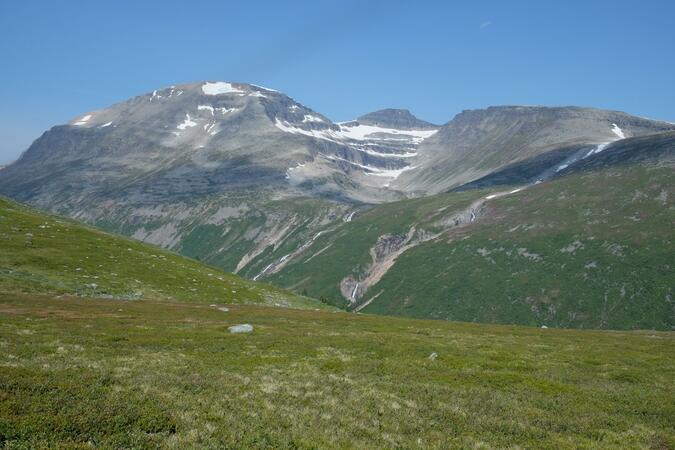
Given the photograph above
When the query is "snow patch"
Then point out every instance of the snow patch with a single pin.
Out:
(374, 171)
(207, 108)
(83, 120)
(220, 87)
(224, 111)
(387, 155)
(577, 157)
(362, 132)
(618, 131)
(288, 128)
(107, 124)
(311, 118)
(264, 88)
(502, 194)
(596, 150)
(187, 123)
(358, 133)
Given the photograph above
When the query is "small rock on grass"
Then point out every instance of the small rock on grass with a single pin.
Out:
(220, 308)
(433, 356)
(243, 328)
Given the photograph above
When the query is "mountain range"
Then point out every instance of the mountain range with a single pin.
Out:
(557, 216)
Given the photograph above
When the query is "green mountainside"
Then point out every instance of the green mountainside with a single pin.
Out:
(591, 250)
(42, 253)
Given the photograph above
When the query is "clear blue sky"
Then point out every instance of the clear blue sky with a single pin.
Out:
(342, 58)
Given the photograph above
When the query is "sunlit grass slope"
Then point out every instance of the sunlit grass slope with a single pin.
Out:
(42, 253)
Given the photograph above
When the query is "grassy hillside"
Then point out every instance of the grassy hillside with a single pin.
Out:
(220, 230)
(588, 250)
(82, 373)
(41, 253)
(592, 250)
(344, 250)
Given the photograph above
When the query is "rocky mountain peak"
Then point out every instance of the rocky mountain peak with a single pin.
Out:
(401, 119)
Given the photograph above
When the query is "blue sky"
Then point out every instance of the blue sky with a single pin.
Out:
(342, 58)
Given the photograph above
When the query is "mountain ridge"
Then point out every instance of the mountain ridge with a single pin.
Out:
(401, 118)
(252, 181)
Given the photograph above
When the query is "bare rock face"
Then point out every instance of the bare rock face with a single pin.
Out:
(196, 140)
(200, 139)
(388, 244)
